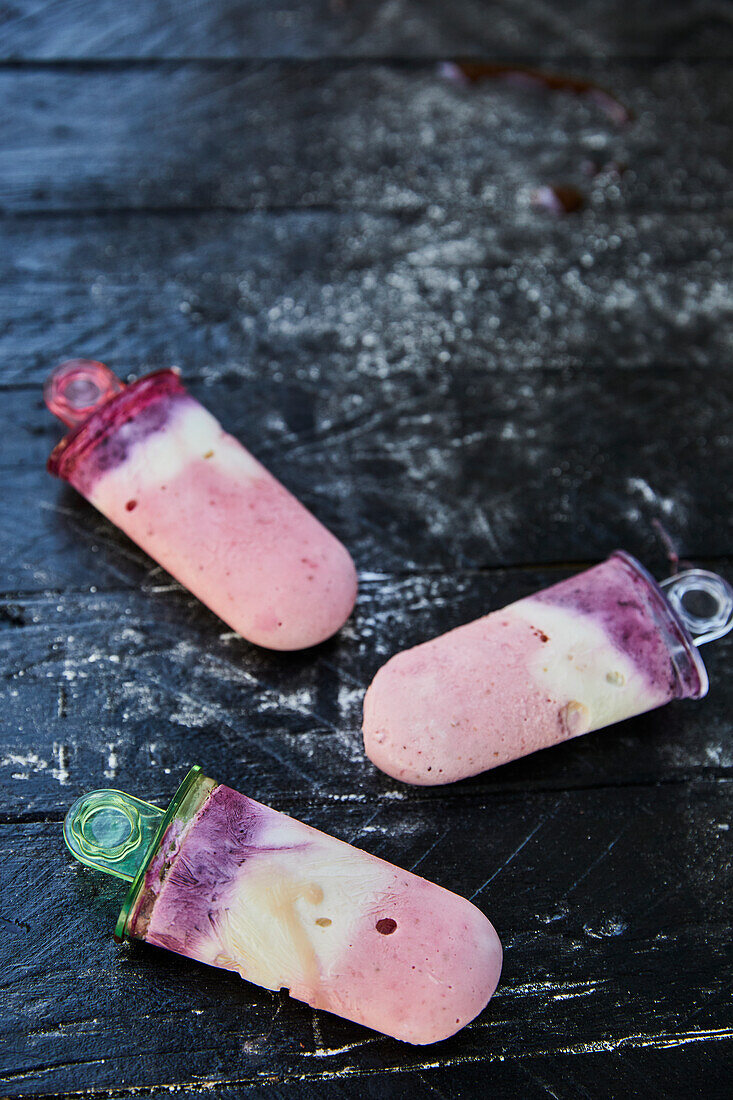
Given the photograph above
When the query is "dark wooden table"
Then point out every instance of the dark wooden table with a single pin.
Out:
(337, 244)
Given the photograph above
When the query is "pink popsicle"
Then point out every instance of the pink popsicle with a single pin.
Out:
(160, 467)
(249, 889)
(592, 650)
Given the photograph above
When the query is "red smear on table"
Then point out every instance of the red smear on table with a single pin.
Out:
(475, 72)
(558, 198)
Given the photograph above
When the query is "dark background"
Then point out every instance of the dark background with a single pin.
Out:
(338, 247)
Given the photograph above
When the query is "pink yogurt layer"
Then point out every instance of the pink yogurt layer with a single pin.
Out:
(159, 466)
(595, 649)
(343, 930)
(426, 980)
(460, 704)
(248, 549)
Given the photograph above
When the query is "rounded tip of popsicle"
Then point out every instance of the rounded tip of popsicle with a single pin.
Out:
(471, 987)
(398, 734)
(314, 607)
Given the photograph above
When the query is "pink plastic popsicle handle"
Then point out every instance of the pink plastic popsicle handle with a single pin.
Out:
(77, 388)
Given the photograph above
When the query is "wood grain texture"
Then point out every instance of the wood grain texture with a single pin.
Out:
(53, 29)
(358, 306)
(361, 135)
(595, 891)
(439, 472)
(136, 685)
(338, 247)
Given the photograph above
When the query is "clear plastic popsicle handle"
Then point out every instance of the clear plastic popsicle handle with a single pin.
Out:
(112, 831)
(77, 388)
(703, 601)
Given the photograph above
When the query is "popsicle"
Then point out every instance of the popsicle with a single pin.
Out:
(223, 879)
(599, 647)
(160, 466)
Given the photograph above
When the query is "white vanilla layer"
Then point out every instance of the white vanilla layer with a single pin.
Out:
(579, 662)
(295, 908)
(191, 433)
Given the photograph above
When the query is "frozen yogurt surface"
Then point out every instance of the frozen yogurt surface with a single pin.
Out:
(589, 651)
(160, 467)
(288, 907)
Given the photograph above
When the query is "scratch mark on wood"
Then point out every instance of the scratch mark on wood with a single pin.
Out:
(111, 770)
(662, 1041)
(50, 506)
(365, 826)
(317, 1037)
(542, 1084)
(517, 850)
(429, 850)
(61, 771)
(557, 990)
(593, 865)
(433, 1088)
(331, 1052)
(223, 718)
(61, 708)
(342, 674)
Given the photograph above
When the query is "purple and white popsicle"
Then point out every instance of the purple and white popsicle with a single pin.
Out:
(243, 887)
(592, 650)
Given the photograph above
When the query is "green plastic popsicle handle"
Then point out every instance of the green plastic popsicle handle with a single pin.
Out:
(112, 831)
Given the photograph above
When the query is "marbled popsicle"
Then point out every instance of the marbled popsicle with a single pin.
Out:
(592, 650)
(161, 467)
(240, 886)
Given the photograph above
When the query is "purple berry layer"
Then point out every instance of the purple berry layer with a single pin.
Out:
(637, 619)
(240, 886)
(104, 440)
(198, 878)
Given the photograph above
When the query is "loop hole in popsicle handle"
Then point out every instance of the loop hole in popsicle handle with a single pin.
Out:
(111, 831)
(703, 601)
(77, 388)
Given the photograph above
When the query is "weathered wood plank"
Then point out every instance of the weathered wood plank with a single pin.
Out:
(456, 383)
(344, 308)
(53, 29)
(610, 944)
(447, 471)
(131, 687)
(366, 136)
